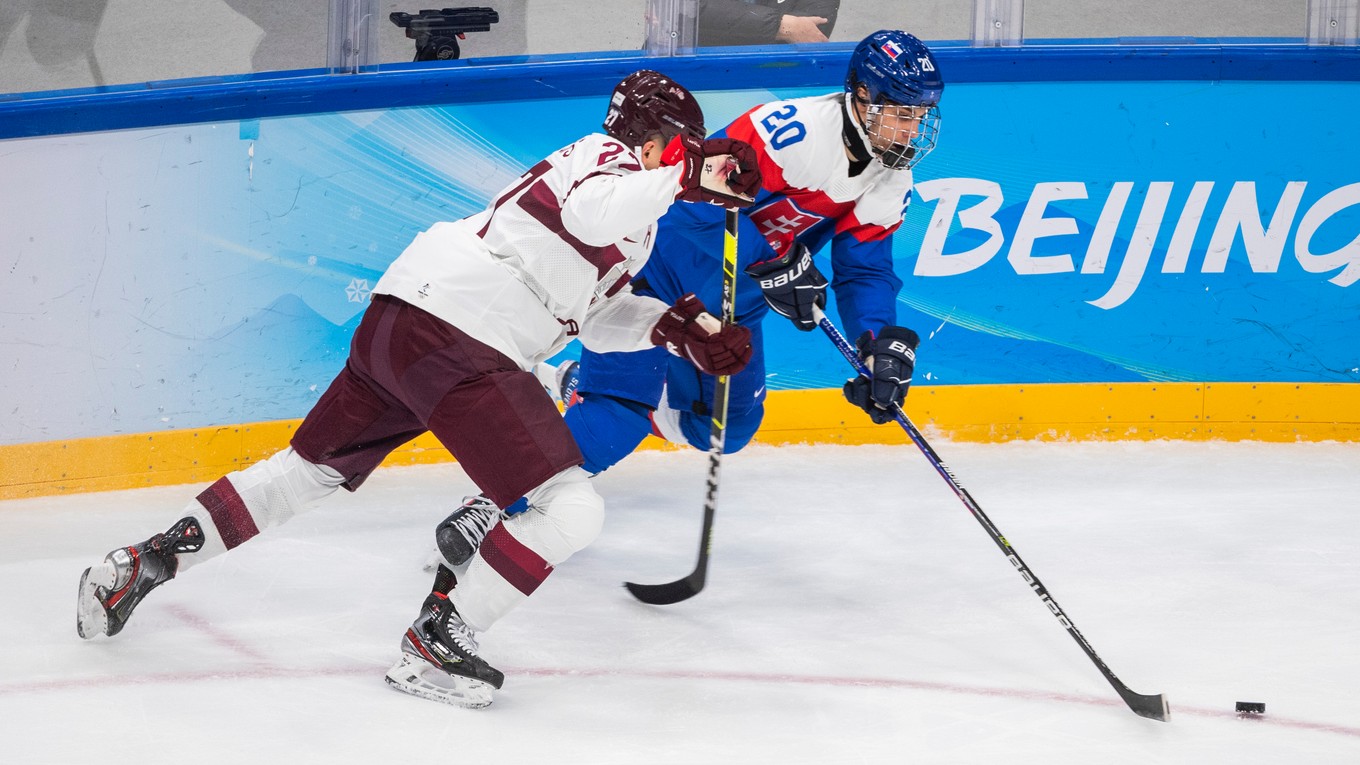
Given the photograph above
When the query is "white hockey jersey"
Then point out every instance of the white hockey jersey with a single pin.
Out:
(804, 167)
(550, 259)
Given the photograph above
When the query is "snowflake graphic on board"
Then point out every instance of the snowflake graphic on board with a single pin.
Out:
(358, 290)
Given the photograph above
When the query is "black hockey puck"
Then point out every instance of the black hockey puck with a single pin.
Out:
(1252, 707)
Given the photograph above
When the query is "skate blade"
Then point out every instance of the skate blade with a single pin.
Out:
(418, 677)
(91, 617)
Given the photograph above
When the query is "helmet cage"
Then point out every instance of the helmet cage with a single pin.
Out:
(901, 135)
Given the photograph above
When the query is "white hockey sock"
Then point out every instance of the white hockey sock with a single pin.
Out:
(564, 516)
(267, 494)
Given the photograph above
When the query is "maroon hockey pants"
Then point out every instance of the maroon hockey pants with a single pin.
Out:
(409, 372)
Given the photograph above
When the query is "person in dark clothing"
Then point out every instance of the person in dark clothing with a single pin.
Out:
(766, 22)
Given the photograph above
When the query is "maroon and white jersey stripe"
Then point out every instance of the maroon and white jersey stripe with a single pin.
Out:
(549, 259)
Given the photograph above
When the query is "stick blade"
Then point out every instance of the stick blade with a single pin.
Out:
(1152, 707)
(666, 594)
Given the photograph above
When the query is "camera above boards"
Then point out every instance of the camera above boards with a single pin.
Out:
(437, 32)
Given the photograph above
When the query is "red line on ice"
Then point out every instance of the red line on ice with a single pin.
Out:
(217, 636)
(274, 673)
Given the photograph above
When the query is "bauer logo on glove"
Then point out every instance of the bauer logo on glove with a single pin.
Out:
(900, 348)
(792, 285)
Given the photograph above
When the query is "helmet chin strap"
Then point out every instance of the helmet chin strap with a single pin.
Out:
(853, 133)
(898, 156)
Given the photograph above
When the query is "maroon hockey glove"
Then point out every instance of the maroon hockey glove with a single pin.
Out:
(742, 177)
(690, 332)
(722, 171)
(891, 357)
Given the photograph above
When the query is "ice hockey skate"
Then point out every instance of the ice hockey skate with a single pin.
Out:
(439, 659)
(459, 535)
(110, 590)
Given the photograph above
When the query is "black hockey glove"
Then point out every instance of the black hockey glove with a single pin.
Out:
(792, 285)
(891, 357)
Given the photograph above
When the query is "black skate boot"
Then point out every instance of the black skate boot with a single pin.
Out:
(110, 590)
(439, 658)
(460, 534)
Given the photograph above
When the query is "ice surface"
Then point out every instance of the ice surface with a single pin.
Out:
(855, 613)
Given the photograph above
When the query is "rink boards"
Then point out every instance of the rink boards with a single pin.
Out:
(1278, 412)
(1111, 242)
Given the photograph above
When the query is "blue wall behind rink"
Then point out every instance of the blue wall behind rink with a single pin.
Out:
(1167, 231)
(1127, 231)
(184, 275)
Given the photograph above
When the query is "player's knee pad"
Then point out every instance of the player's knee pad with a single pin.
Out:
(566, 515)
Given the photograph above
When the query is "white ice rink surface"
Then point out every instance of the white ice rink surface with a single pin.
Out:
(855, 613)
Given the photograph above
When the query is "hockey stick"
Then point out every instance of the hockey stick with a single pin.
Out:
(689, 586)
(1152, 707)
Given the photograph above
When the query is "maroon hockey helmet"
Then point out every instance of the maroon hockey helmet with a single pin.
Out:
(646, 103)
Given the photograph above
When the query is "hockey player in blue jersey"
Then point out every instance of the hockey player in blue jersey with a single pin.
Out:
(836, 173)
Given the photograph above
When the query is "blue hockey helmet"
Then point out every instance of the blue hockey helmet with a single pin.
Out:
(901, 96)
(895, 67)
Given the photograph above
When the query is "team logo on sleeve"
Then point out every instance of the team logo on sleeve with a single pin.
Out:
(781, 222)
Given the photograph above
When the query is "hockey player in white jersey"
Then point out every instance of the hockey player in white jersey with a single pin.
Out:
(837, 177)
(455, 326)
